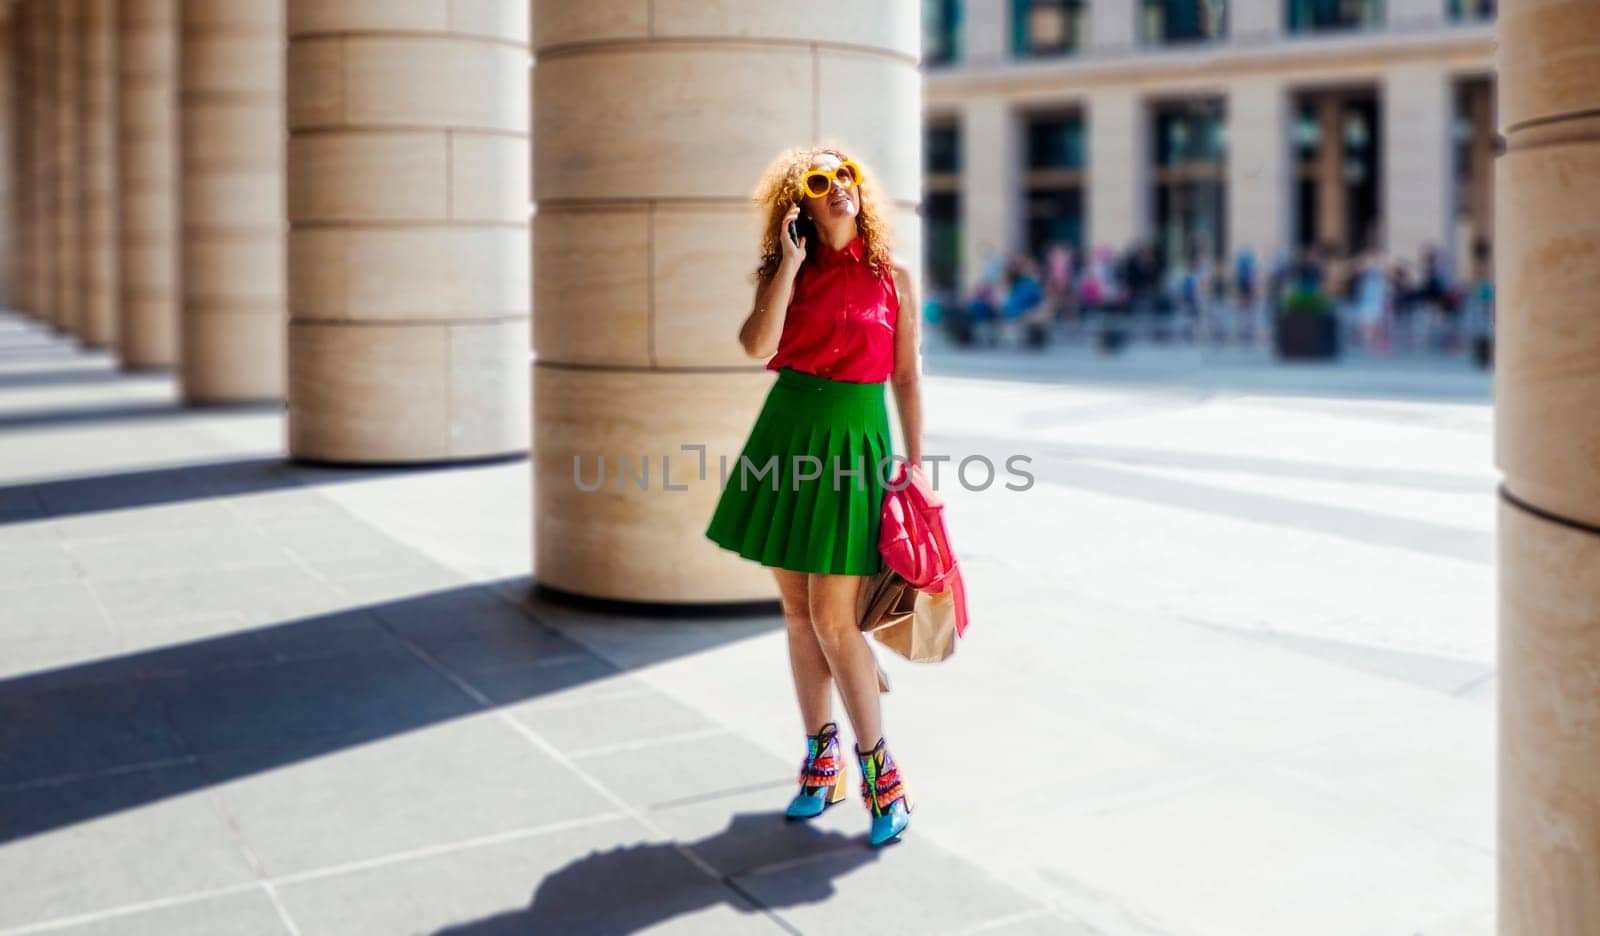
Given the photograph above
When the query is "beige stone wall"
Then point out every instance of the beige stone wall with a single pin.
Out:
(1259, 166)
(1254, 22)
(147, 165)
(234, 314)
(1118, 190)
(1547, 194)
(649, 140)
(408, 206)
(69, 184)
(991, 180)
(1418, 176)
(988, 33)
(98, 93)
(43, 178)
(1112, 26)
(1412, 15)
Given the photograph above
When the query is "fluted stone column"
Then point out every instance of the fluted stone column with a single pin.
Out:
(69, 184)
(234, 313)
(99, 173)
(148, 165)
(1547, 194)
(45, 212)
(653, 125)
(1258, 167)
(408, 249)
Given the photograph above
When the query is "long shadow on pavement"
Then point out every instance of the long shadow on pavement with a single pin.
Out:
(21, 503)
(632, 887)
(84, 741)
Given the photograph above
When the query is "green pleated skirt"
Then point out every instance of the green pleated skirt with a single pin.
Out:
(785, 510)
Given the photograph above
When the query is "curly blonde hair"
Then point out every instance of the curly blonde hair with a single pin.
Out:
(780, 188)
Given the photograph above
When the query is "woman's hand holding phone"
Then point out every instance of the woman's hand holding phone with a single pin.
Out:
(793, 251)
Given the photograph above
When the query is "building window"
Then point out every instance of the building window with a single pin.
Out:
(1053, 181)
(1337, 168)
(1302, 16)
(1470, 10)
(1048, 27)
(941, 31)
(1476, 145)
(1169, 22)
(943, 149)
(941, 207)
(1190, 153)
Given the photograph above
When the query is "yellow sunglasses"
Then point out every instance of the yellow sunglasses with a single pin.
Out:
(818, 182)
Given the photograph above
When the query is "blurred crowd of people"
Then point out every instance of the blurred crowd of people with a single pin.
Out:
(1384, 304)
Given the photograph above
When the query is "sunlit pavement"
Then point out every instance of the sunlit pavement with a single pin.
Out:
(1230, 672)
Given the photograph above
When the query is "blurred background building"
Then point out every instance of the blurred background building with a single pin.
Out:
(1208, 130)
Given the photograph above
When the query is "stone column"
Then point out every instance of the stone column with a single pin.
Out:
(408, 246)
(99, 173)
(653, 127)
(1111, 26)
(1547, 421)
(989, 35)
(148, 166)
(1119, 167)
(991, 181)
(69, 185)
(45, 213)
(1258, 168)
(231, 99)
(1418, 174)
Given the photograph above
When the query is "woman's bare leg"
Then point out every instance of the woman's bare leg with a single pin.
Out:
(833, 614)
(813, 683)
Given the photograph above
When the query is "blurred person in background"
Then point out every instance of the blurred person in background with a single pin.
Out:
(1478, 305)
(1024, 300)
(1372, 302)
(1245, 291)
(1060, 294)
(1403, 298)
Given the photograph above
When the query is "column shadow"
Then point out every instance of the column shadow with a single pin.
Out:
(88, 740)
(126, 490)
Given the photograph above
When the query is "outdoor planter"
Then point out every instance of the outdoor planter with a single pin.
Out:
(1307, 328)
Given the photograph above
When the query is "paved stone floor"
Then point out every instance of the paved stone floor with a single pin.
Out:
(1230, 672)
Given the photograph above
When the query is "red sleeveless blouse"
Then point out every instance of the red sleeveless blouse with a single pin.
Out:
(841, 318)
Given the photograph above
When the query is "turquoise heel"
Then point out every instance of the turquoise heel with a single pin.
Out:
(884, 794)
(821, 775)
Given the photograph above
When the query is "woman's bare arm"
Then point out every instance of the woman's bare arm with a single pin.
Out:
(907, 379)
(764, 326)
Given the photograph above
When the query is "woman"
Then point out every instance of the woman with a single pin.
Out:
(805, 496)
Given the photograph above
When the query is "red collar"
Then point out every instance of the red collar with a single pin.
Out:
(828, 256)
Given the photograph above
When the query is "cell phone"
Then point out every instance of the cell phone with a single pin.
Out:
(794, 233)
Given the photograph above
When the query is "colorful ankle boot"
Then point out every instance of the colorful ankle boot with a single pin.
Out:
(821, 775)
(884, 794)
